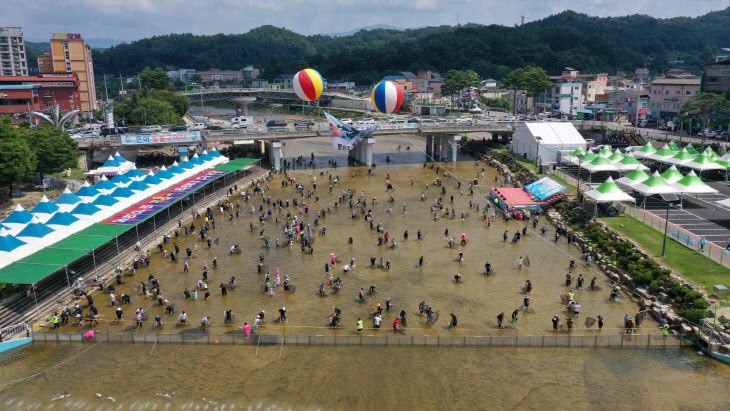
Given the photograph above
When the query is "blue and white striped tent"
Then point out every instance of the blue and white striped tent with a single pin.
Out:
(17, 219)
(45, 209)
(67, 201)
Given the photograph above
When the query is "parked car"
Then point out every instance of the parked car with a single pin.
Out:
(414, 120)
(74, 129)
(242, 122)
(178, 127)
(427, 122)
(347, 121)
(86, 134)
(464, 120)
(213, 127)
(366, 121)
(151, 129)
(273, 123)
(304, 124)
(197, 127)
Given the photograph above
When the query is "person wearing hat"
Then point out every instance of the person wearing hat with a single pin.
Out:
(556, 321)
(120, 313)
(282, 314)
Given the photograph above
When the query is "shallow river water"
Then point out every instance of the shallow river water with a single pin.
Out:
(196, 377)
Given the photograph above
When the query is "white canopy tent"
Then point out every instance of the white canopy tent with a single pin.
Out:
(552, 137)
(607, 192)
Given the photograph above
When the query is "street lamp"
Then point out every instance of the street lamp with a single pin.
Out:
(667, 198)
(580, 159)
(537, 154)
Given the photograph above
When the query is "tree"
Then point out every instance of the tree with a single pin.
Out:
(179, 103)
(152, 111)
(500, 102)
(17, 160)
(453, 84)
(703, 105)
(195, 78)
(272, 69)
(471, 80)
(54, 150)
(532, 79)
(156, 79)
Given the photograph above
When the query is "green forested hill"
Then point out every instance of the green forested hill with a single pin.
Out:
(567, 39)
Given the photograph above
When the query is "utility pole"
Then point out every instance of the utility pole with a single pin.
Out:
(105, 88)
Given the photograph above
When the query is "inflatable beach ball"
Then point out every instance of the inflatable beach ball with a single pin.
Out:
(308, 84)
(387, 97)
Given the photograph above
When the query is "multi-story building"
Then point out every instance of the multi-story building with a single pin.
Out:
(286, 79)
(13, 61)
(221, 76)
(716, 77)
(183, 75)
(20, 94)
(425, 80)
(668, 94)
(69, 54)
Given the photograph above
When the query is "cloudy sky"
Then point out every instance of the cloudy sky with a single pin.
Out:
(134, 19)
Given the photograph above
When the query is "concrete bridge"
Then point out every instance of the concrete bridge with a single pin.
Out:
(440, 138)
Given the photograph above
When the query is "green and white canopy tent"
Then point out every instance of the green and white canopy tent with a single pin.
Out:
(645, 151)
(598, 164)
(710, 153)
(690, 149)
(680, 158)
(607, 192)
(673, 146)
(704, 162)
(606, 152)
(630, 162)
(692, 184)
(663, 154)
(616, 156)
(655, 184)
(672, 175)
(633, 178)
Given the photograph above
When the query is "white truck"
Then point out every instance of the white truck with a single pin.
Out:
(242, 122)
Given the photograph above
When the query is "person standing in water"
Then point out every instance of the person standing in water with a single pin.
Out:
(500, 319)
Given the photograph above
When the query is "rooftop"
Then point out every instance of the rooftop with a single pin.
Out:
(669, 81)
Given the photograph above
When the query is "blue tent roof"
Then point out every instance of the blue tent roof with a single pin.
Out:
(186, 165)
(9, 243)
(175, 170)
(196, 160)
(119, 159)
(85, 209)
(19, 217)
(152, 180)
(164, 174)
(104, 185)
(64, 219)
(121, 178)
(88, 191)
(45, 207)
(105, 200)
(68, 198)
(111, 163)
(214, 153)
(138, 186)
(122, 192)
(134, 173)
(206, 157)
(37, 230)
(2, 226)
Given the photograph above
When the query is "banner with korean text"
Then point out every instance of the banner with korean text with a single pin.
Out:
(161, 138)
(157, 202)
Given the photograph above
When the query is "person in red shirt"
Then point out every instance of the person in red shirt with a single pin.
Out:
(395, 325)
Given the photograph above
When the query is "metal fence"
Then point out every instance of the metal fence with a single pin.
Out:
(13, 330)
(539, 341)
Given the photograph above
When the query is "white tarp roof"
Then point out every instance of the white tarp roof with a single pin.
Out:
(555, 136)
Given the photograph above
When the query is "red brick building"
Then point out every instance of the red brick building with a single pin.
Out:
(20, 94)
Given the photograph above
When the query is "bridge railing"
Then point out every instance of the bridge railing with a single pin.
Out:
(13, 330)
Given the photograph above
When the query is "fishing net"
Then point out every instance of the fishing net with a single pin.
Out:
(590, 322)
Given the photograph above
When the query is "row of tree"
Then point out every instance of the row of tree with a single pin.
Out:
(567, 39)
(155, 103)
(27, 152)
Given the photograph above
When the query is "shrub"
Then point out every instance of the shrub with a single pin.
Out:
(635, 257)
(642, 278)
(693, 315)
(655, 285)
(701, 304)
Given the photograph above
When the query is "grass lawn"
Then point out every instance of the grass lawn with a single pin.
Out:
(76, 174)
(692, 265)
